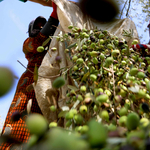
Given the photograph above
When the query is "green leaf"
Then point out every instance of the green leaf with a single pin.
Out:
(85, 76)
(66, 76)
(134, 89)
(128, 52)
(66, 45)
(72, 45)
(116, 140)
(35, 76)
(62, 114)
(46, 41)
(75, 83)
(72, 87)
(85, 69)
(65, 68)
(79, 43)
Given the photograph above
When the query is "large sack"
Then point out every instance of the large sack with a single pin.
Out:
(69, 13)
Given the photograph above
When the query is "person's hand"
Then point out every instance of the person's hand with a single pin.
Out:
(43, 2)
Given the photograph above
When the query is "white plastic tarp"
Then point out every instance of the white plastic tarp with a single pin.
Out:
(69, 13)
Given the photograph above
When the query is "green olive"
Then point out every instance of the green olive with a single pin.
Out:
(83, 88)
(94, 53)
(141, 75)
(102, 98)
(104, 115)
(83, 109)
(134, 71)
(109, 60)
(79, 61)
(132, 121)
(40, 49)
(58, 82)
(52, 124)
(6, 80)
(36, 124)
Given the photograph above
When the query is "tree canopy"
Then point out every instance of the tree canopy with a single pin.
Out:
(139, 12)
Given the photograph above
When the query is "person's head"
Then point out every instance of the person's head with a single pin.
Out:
(36, 25)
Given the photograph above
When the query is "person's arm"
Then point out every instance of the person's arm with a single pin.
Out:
(43, 2)
(52, 23)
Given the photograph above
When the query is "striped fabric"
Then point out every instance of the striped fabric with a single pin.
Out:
(17, 129)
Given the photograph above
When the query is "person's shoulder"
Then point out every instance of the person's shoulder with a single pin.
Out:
(29, 44)
(40, 36)
(28, 40)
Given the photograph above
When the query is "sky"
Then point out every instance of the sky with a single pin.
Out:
(14, 19)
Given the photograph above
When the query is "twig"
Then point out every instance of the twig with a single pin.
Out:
(123, 8)
(48, 99)
(111, 71)
(115, 112)
(54, 101)
(66, 70)
(49, 77)
(128, 8)
(49, 54)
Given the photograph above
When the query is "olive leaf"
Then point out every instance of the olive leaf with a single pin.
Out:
(62, 114)
(128, 33)
(116, 140)
(75, 83)
(79, 43)
(66, 45)
(72, 87)
(65, 109)
(85, 76)
(35, 76)
(46, 41)
(134, 89)
(72, 45)
(75, 104)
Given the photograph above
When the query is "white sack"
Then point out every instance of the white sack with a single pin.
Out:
(69, 13)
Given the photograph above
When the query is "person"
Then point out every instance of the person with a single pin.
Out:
(14, 127)
(142, 47)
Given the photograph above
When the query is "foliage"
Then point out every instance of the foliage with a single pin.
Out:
(139, 12)
(108, 106)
